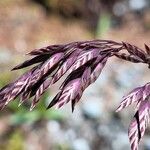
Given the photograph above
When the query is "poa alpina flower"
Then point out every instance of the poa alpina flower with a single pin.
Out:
(84, 62)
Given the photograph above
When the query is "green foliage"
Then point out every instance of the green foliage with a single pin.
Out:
(103, 25)
(62, 147)
(5, 78)
(15, 142)
(23, 115)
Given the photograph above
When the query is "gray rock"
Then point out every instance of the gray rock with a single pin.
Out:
(120, 142)
(93, 107)
(5, 56)
(80, 144)
(146, 143)
(137, 4)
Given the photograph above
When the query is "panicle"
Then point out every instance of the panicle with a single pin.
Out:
(84, 62)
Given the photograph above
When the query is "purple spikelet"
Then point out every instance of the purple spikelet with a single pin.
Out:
(84, 61)
(138, 125)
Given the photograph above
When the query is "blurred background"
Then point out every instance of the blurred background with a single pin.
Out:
(29, 24)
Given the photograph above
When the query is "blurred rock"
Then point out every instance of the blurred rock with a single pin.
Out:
(5, 56)
(137, 4)
(146, 143)
(55, 131)
(120, 142)
(80, 144)
(92, 107)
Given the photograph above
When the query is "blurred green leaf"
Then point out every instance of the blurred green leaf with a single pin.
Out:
(103, 25)
(15, 142)
(22, 117)
(63, 146)
(54, 115)
(5, 77)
